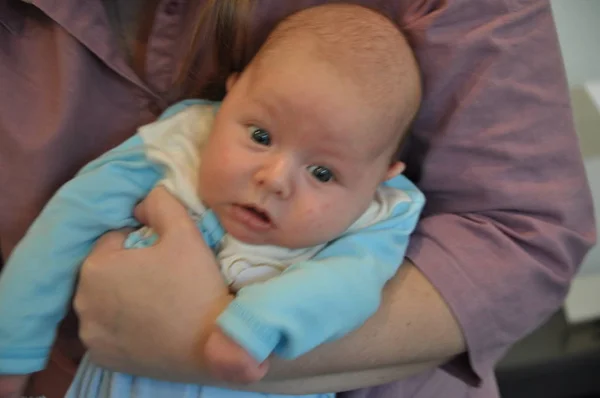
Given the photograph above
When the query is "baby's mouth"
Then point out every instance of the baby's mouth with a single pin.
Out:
(261, 214)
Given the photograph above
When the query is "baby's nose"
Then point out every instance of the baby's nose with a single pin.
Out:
(275, 177)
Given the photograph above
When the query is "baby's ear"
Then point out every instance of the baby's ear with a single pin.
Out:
(231, 80)
(395, 169)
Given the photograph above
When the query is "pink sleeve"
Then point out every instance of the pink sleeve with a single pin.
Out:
(509, 214)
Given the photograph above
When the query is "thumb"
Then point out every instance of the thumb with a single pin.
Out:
(165, 214)
(112, 241)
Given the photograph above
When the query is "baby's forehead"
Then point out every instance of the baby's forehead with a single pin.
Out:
(359, 44)
(344, 137)
(350, 36)
(328, 113)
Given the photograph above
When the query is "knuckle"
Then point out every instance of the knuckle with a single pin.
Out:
(78, 304)
(243, 371)
(104, 240)
(249, 376)
(87, 267)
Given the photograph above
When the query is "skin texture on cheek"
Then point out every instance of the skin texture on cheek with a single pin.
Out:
(317, 218)
(328, 220)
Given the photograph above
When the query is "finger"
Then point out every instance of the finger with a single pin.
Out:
(165, 214)
(253, 374)
(229, 362)
(112, 241)
(140, 213)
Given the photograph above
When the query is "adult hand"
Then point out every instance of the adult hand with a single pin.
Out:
(150, 310)
(228, 362)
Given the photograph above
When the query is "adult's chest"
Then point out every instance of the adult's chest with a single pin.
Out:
(61, 105)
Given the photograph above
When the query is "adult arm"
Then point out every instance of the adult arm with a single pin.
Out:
(115, 342)
(509, 214)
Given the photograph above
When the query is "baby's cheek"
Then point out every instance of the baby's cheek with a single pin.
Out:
(328, 218)
(216, 171)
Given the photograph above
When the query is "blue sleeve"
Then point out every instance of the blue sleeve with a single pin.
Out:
(324, 298)
(37, 281)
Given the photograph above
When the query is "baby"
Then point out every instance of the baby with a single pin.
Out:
(293, 181)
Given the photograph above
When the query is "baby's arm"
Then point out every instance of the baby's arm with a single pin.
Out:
(37, 281)
(314, 301)
(38, 278)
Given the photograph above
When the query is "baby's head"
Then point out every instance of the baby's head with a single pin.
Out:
(310, 129)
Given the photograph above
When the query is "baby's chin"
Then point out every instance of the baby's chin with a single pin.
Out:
(275, 238)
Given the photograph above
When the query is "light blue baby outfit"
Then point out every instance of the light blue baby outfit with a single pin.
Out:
(311, 301)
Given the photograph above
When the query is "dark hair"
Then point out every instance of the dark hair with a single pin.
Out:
(225, 26)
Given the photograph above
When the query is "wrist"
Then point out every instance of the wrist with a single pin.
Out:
(211, 314)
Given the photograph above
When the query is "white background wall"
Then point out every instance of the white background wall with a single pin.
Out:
(577, 22)
(578, 26)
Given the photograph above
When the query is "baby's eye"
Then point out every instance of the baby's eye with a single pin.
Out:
(260, 136)
(322, 174)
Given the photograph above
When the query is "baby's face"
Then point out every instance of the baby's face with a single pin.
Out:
(294, 157)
